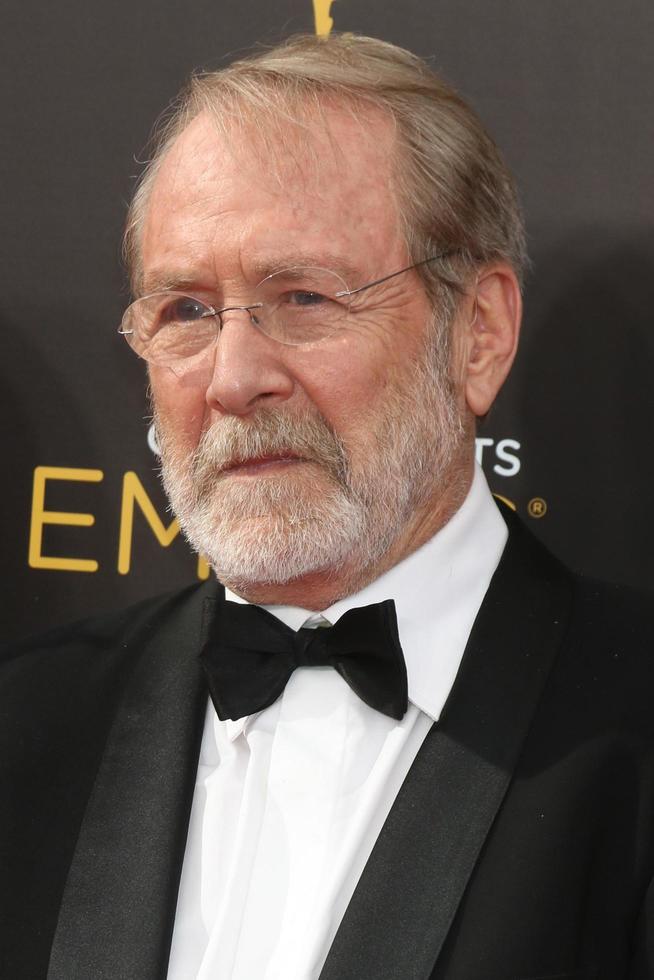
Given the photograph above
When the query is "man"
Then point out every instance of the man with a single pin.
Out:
(326, 253)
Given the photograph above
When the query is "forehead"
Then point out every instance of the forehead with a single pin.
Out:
(323, 183)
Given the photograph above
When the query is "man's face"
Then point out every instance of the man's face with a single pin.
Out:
(285, 462)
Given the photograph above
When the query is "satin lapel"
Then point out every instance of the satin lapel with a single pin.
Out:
(118, 906)
(411, 887)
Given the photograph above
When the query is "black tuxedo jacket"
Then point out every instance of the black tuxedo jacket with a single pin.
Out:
(520, 845)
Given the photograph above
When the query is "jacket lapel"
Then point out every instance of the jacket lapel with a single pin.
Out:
(411, 887)
(118, 906)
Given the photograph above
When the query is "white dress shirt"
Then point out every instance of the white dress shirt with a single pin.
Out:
(289, 802)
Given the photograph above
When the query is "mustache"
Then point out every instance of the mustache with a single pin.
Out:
(233, 440)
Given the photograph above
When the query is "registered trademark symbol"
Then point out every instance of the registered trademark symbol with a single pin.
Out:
(537, 507)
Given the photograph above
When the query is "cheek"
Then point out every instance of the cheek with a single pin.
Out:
(378, 353)
(181, 408)
(346, 382)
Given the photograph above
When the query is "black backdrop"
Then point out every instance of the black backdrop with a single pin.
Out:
(566, 88)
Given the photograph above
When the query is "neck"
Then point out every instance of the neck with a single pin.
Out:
(321, 589)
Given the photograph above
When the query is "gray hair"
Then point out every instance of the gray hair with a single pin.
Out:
(453, 188)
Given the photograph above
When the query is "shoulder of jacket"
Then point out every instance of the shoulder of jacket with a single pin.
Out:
(117, 630)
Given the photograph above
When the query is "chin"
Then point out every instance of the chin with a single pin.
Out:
(274, 549)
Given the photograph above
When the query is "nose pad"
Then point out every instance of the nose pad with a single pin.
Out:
(255, 320)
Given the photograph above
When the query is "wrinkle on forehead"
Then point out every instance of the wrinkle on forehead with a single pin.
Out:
(295, 151)
(224, 188)
(297, 137)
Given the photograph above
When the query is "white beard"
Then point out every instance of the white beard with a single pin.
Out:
(346, 505)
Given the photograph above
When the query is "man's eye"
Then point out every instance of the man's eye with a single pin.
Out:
(306, 297)
(184, 309)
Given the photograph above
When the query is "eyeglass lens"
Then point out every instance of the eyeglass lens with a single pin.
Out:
(294, 306)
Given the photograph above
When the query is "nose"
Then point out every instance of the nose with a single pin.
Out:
(249, 371)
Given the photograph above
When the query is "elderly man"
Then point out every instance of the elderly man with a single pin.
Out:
(398, 740)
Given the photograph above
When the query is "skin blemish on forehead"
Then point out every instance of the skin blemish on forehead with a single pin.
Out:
(295, 139)
(306, 170)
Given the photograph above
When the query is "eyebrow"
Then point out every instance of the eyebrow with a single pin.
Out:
(315, 260)
(162, 280)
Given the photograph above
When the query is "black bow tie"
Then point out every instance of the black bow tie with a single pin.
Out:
(253, 654)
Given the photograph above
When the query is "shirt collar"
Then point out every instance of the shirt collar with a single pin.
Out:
(437, 589)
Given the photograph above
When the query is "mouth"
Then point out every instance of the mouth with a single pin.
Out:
(259, 465)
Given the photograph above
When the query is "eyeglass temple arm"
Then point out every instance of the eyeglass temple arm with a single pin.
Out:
(415, 265)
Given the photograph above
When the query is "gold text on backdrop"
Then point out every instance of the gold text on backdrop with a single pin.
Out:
(133, 495)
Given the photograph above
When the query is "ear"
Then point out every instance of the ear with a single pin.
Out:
(491, 335)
